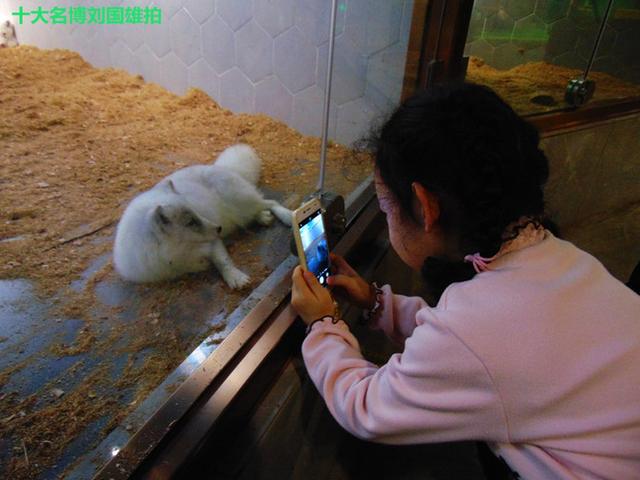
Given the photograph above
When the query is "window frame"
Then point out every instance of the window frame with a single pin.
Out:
(443, 60)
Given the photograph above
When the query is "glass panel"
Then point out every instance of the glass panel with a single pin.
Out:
(528, 51)
(617, 55)
(104, 100)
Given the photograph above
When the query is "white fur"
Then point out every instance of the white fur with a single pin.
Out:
(154, 240)
(8, 35)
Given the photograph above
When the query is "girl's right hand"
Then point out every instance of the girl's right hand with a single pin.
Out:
(346, 282)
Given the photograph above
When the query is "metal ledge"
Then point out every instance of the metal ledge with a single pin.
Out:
(209, 389)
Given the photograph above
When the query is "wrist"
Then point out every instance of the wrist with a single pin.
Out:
(371, 300)
(376, 306)
(310, 325)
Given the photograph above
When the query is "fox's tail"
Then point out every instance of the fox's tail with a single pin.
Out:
(243, 160)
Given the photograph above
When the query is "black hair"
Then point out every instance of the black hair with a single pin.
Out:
(482, 161)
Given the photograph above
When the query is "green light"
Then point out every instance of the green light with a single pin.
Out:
(533, 36)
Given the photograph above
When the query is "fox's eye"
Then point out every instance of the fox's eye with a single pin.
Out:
(163, 218)
(194, 223)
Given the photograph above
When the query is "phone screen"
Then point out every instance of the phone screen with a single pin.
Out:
(314, 244)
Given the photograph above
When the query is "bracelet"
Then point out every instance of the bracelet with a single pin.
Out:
(367, 315)
(334, 320)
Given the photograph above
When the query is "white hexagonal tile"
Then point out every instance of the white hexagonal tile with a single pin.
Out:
(273, 99)
(111, 35)
(349, 70)
(86, 49)
(355, 119)
(133, 36)
(236, 91)
(254, 51)
(169, 8)
(295, 60)
(200, 10)
(308, 106)
(185, 37)
(407, 19)
(79, 37)
(235, 12)
(275, 16)
(201, 75)
(173, 74)
(118, 31)
(122, 57)
(157, 37)
(506, 56)
(218, 44)
(385, 75)
(313, 18)
(373, 24)
(148, 63)
(97, 54)
(481, 49)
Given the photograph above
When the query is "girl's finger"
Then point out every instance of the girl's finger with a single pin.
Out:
(300, 288)
(341, 264)
(339, 280)
(314, 286)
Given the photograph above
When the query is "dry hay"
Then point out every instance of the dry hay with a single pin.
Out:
(76, 144)
(523, 83)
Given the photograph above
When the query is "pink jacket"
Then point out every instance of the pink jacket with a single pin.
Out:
(539, 356)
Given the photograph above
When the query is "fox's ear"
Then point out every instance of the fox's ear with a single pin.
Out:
(159, 217)
(172, 186)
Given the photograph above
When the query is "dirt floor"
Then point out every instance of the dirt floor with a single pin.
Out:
(537, 87)
(76, 144)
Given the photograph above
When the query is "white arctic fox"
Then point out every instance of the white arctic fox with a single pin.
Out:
(177, 226)
(8, 35)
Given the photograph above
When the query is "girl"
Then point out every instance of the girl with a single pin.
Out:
(533, 346)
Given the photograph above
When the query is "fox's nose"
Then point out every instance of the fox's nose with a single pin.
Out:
(219, 230)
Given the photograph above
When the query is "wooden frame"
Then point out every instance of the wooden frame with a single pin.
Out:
(439, 57)
(171, 435)
(555, 123)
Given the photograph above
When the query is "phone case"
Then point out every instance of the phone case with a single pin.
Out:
(298, 215)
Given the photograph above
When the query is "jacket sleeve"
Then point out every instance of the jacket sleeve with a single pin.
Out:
(397, 316)
(436, 390)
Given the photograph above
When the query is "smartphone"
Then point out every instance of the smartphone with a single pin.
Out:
(311, 239)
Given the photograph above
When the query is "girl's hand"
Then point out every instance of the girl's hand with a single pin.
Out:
(347, 282)
(310, 299)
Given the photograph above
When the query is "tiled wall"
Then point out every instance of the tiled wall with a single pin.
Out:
(506, 33)
(251, 56)
(594, 193)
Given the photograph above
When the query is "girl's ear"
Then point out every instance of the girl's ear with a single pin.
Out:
(428, 206)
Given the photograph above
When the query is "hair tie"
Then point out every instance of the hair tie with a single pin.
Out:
(480, 263)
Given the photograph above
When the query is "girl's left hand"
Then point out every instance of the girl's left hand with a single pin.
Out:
(310, 299)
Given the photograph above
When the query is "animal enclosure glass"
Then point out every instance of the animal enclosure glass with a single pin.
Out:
(528, 51)
(117, 129)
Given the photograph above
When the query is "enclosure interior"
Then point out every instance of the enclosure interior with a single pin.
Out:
(102, 108)
(529, 50)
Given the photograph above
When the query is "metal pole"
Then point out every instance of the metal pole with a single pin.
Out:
(603, 24)
(327, 97)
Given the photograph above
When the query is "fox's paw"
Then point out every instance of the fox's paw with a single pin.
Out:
(265, 217)
(236, 279)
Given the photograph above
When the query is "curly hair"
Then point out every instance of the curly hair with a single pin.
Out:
(481, 160)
